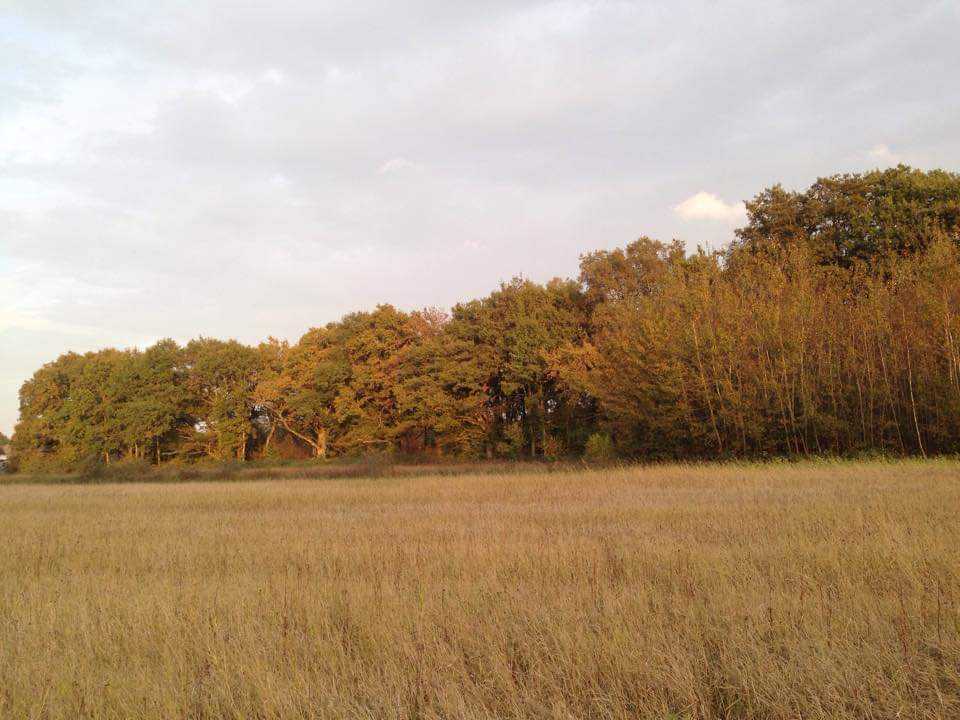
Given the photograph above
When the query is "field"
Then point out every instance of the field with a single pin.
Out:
(815, 590)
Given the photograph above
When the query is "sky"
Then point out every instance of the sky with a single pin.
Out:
(175, 169)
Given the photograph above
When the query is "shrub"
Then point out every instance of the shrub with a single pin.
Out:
(512, 443)
(13, 465)
(42, 464)
(599, 448)
(553, 448)
(375, 463)
(92, 469)
(272, 454)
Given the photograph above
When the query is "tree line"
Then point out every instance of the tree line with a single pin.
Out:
(829, 325)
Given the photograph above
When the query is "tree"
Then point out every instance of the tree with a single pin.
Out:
(630, 362)
(365, 406)
(831, 326)
(220, 378)
(92, 410)
(441, 406)
(619, 274)
(68, 411)
(156, 401)
(844, 219)
(514, 331)
(299, 384)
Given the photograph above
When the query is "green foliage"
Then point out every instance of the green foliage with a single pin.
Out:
(514, 333)
(220, 378)
(844, 219)
(512, 441)
(599, 448)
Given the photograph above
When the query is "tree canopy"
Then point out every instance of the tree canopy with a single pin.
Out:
(842, 219)
(830, 325)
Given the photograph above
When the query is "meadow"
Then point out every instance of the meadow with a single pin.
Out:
(808, 590)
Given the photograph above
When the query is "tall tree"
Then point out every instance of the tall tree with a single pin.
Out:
(156, 401)
(515, 330)
(39, 437)
(299, 385)
(220, 377)
(441, 406)
(847, 218)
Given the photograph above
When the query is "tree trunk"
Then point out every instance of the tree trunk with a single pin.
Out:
(266, 445)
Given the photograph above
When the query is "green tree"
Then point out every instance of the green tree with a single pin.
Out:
(617, 275)
(440, 403)
(220, 377)
(843, 219)
(156, 401)
(36, 437)
(365, 406)
(514, 331)
(92, 410)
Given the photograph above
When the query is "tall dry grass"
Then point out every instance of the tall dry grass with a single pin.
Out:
(797, 591)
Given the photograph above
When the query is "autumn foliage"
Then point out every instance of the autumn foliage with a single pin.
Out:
(828, 326)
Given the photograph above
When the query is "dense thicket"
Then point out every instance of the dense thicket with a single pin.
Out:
(830, 325)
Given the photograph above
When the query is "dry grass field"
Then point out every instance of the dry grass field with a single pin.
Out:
(821, 590)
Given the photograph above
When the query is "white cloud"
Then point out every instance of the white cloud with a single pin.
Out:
(29, 300)
(13, 320)
(883, 155)
(274, 76)
(228, 87)
(398, 165)
(707, 206)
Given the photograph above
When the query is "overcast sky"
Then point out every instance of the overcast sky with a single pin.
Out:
(252, 169)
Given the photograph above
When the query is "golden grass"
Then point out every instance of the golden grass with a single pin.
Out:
(819, 590)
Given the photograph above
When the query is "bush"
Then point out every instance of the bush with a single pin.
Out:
(512, 443)
(92, 469)
(375, 463)
(272, 455)
(13, 465)
(599, 448)
(219, 470)
(553, 448)
(42, 464)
